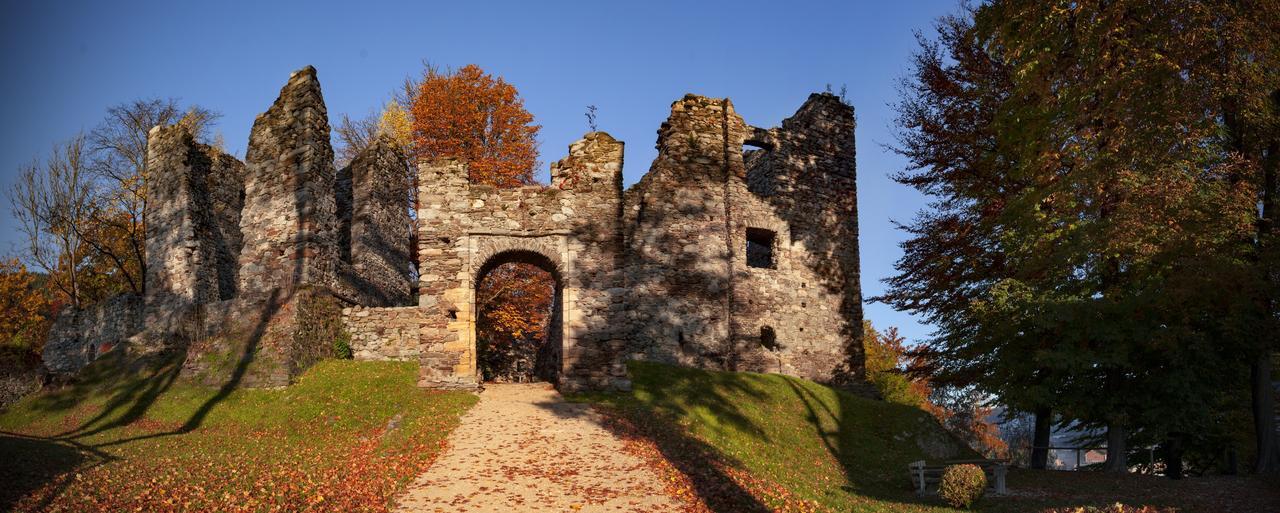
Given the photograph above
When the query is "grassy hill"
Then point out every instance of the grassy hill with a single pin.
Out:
(345, 437)
(758, 442)
(778, 442)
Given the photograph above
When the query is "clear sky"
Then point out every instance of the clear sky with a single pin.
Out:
(62, 63)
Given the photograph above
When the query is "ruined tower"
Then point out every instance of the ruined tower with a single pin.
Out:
(748, 260)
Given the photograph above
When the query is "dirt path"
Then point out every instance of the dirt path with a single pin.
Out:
(523, 448)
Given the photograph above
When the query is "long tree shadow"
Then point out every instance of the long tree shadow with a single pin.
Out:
(46, 465)
(890, 482)
(137, 395)
(701, 465)
(41, 465)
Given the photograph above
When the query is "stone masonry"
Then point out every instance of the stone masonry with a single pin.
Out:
(374, 225)
(289, 219)
(718, 257)
(193, 225)
(77, 337)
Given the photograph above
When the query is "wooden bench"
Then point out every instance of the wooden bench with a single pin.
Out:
(925, 477)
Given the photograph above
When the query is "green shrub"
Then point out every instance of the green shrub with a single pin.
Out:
(962, 485)
(342, 346)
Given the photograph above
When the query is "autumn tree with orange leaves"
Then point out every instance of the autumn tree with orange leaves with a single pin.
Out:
(479, 118)
(24, 312)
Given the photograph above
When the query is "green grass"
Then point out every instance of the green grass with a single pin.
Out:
(778, 442)
(121, 439)
(806, 443)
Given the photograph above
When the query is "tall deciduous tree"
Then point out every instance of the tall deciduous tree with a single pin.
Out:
(1090, 245)
(1160, 116)
(479, 118)
(954, 130)
(52, 203)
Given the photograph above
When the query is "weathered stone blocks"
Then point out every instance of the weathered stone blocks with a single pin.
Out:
(374, 227)
(289, 221)
(78, 336)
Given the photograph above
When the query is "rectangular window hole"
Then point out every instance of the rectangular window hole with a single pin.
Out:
(760, 248)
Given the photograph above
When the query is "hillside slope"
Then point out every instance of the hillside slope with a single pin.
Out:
(778, 442)
(346, 437)
(742, 442)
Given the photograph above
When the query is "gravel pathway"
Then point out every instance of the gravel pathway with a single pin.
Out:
(523, 448)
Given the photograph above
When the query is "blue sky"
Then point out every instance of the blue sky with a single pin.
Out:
(63, 63)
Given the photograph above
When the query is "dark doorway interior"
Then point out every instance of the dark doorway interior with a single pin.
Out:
(518, 319)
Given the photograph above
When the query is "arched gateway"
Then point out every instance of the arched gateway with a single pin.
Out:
(547, 355)
(569, 228)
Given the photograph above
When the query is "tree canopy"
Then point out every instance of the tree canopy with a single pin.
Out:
(1093, 242)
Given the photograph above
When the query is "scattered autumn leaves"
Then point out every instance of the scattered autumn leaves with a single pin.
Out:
(319, 451)
(694, 474)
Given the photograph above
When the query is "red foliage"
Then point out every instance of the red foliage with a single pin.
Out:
(481, 119)
(514, 305)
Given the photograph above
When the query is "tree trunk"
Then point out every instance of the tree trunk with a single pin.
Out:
(1041, 439)
(1173, 456)
(1264, 413)
(1264, 420)
(1117, 451)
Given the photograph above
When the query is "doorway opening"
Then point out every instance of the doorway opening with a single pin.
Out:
(518, 319)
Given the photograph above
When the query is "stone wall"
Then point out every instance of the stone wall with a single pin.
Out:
(195, 194)
(18, 379)
(278, 308)
(679, 252)
(374, 226)
(289, 221)
(801, 185)
(78, 336)
(694, 299)
(569, 228)
(384, 333)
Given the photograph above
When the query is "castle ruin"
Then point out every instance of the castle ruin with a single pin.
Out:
(718, 257)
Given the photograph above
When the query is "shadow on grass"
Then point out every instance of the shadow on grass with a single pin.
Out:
(858, 461)
(699, 463)
(39, 465)
(131, 389)
(743, 438)
(703, 466)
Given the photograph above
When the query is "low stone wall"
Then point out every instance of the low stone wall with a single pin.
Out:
(384, 333)
(17, 380)
(78, 336)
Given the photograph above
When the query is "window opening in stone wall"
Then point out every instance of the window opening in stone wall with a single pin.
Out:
(769, 338)
(756, 144)
(760, 248)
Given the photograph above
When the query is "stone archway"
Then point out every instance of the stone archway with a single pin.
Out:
(485, 250)
(547, 363)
